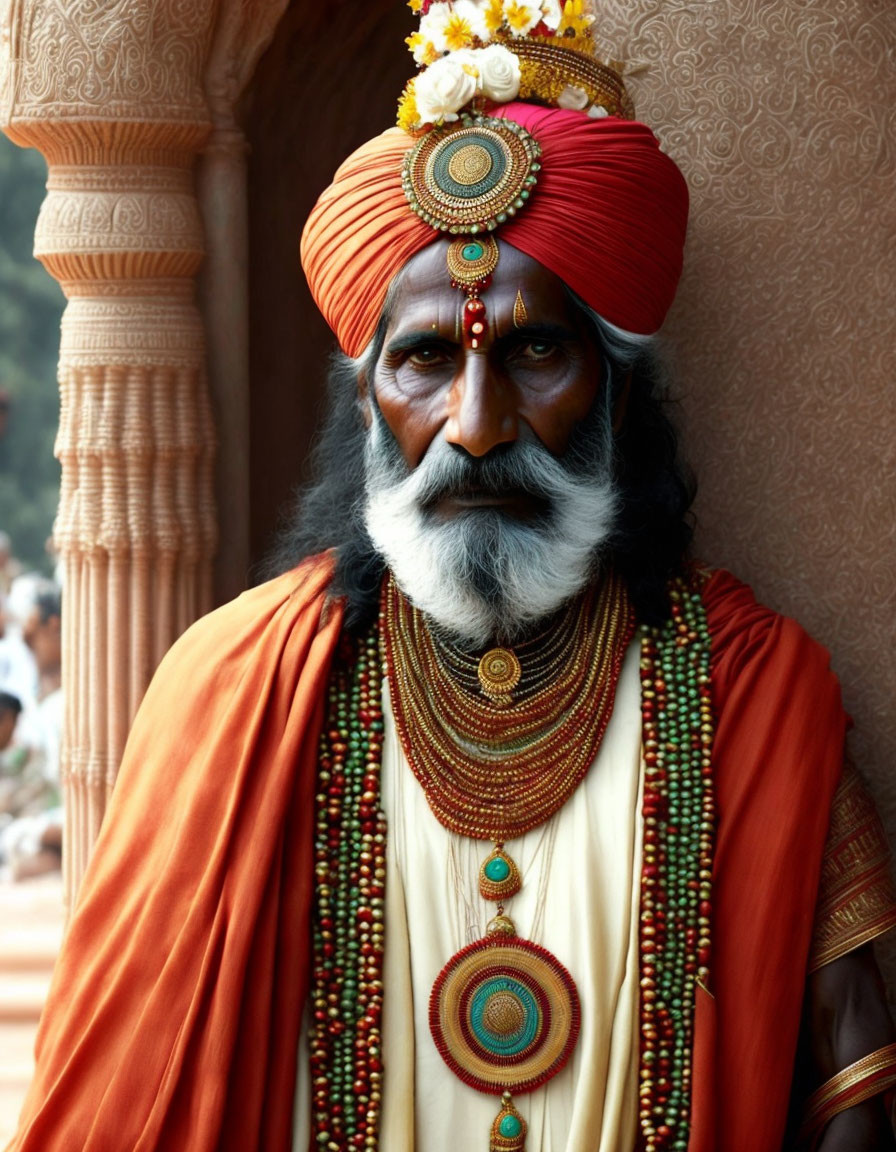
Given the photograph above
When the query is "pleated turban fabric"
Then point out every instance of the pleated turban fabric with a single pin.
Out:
(608, 216)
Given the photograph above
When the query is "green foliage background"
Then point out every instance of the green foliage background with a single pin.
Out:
(31, 304)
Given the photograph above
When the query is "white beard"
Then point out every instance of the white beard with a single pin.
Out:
(485, 575)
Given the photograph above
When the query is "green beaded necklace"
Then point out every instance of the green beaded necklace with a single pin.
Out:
(675, 912)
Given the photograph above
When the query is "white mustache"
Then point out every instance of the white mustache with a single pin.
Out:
(485, 574)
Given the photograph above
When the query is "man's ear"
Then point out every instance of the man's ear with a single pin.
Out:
(619, 408)
(364, 399)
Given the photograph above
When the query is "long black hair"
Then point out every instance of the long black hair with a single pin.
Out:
(653, 526)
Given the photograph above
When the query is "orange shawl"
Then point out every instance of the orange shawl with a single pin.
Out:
(175, 1008)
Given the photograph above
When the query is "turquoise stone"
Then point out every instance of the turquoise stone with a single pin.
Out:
(497, 870)
(472, 252)
(510, 1127)
(522, 1034)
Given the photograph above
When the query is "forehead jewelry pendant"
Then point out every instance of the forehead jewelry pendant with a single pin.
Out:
(520, 314)
(471, 262)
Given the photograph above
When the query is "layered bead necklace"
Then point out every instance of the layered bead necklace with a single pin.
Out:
(493, 769)
(504, 1012)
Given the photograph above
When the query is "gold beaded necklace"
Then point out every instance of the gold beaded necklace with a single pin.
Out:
(498, 673)
(492, 769)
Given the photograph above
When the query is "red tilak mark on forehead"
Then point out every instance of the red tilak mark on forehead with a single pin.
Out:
(475, 322)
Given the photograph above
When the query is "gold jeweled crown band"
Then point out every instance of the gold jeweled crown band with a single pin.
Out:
(549, 69)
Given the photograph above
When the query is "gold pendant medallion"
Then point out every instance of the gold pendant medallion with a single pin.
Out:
(504, 1015)
(499, 673)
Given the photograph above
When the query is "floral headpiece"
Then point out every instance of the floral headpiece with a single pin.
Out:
(469, 173)
(476, 52)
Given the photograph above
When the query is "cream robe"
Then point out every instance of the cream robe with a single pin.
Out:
(580, 899)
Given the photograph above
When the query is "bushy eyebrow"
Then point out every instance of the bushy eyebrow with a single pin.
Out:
(554, 333)
(416, 340)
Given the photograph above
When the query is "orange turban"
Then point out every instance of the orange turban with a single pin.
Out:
(608, 216)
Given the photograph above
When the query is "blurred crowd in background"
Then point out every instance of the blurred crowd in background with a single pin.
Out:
(31, 304)
(30, 719)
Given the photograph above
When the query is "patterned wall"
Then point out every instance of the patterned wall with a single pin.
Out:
(782, 116)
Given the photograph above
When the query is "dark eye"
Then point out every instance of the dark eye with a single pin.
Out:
(426, 354)
(534, 351)
(419, 356)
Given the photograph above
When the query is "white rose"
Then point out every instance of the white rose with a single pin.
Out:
(573, 98)
(597, 112)
(499, 73)
(444, 88)
(470, 59)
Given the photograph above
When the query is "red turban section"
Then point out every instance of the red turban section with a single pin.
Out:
(608, 216)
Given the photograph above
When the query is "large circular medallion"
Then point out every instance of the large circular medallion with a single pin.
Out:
(504, 1015)
(471, 176)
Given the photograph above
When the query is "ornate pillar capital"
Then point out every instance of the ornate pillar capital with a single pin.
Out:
(67, 62)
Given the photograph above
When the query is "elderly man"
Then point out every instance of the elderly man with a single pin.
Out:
(495, 822)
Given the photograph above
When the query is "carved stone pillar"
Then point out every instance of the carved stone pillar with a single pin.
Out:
(111, 94)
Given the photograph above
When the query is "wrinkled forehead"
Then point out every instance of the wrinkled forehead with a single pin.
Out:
(422, 293)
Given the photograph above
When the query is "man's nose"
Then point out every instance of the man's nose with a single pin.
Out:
(482, 408)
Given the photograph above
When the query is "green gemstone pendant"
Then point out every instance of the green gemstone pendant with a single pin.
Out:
(499, 877)
(509, 1128)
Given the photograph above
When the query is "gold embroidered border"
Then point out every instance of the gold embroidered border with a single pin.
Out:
(870, 1076)
(857, 899)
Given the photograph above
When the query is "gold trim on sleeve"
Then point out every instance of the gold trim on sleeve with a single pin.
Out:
(868, 1077)
(856, 898)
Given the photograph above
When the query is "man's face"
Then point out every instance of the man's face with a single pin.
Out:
(536, 376)
(7, 727)
(489, 470)
(43, 638)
